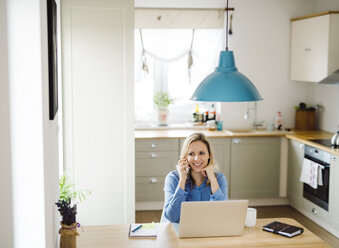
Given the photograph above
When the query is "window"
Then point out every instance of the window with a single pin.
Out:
(167, 54)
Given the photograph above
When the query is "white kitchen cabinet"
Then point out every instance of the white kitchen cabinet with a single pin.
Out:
(295, 162)
(314, 47)
(333, 194)
(255, 167)
(98, 114)
(154, 159)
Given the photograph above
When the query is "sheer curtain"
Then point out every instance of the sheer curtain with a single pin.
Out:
(166, 54)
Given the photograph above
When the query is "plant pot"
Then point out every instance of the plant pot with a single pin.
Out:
(68, 235)
(162, 114)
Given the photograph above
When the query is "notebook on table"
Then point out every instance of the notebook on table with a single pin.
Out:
(211, 218)
(283, 229)
(145, 230)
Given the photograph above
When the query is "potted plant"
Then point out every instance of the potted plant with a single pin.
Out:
(68, 211)
(162, 101)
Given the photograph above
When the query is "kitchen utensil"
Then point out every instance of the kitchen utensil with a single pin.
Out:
(335, 140)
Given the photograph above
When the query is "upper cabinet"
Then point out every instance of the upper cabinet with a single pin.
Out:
(314, 46)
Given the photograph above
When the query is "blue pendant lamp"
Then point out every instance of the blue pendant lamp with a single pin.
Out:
(226, 83)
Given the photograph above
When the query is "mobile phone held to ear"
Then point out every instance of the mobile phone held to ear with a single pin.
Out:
(187, 169)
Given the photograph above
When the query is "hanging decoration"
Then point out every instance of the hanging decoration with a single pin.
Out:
(190, 58)
(230, 31)
(143, 55)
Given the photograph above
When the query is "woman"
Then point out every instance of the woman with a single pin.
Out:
(195, 179)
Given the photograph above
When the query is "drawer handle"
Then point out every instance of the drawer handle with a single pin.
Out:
(236, 141)
(153, 180)
(332, 158)
(153, 155)
(314, 211)
(301, 146)
(153, 145)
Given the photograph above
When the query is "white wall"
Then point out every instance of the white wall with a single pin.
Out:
(261, 45)
(326, 95)
(97, 41)
(6, 213)
(33, 138)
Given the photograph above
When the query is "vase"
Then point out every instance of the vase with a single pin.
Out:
(68, 235)
(162, 114)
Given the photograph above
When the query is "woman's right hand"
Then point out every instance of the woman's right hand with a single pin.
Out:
(181, 168)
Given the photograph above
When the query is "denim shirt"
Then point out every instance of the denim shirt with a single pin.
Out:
(174, 195)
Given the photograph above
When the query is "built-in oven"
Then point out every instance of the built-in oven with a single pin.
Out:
(318, 196)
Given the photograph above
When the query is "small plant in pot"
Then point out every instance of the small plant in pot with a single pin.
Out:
(162, 101)
(68, 211)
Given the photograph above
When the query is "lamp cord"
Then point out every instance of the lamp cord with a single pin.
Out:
(226, 49)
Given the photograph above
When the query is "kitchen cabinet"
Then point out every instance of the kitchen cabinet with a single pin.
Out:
(314, 47)
(255, 166)
(154, 159)
(295, 162)
(333, 194)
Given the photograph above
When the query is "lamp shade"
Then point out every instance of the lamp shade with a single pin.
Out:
(226, 84)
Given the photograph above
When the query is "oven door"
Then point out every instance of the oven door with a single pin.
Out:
(319, 196)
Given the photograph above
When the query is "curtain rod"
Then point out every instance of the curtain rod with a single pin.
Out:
(225, 9)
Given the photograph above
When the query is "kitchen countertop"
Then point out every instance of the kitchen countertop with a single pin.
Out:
(298, 135)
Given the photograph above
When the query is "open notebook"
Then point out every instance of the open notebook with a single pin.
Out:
(145, 230)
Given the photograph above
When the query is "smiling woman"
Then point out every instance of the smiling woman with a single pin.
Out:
(196, 178)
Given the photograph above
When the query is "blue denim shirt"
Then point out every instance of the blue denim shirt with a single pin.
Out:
(174, 195)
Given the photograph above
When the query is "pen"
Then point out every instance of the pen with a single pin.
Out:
(136, 228)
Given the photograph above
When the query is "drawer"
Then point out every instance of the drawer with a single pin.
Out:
(149, 189)
(156, 145)
(315, 210)
(155, 163)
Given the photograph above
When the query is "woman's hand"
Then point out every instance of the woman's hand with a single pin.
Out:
(208, 171)
(181, 168)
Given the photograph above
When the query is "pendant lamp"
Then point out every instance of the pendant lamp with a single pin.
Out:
(226, 83)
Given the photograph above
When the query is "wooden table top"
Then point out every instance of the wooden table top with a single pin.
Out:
(117, 236)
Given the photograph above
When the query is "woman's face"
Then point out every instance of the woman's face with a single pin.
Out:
(197, 156)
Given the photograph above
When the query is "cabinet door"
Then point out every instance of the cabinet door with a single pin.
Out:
(255, 164)
(295, 162)
(334, 196)
(309, 49)
(97, 51)
(154, 159)
(222, 154)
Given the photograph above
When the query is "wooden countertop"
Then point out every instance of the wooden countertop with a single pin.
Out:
(299, 135)
(117, 236)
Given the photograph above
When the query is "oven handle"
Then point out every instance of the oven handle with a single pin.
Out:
(323, 165)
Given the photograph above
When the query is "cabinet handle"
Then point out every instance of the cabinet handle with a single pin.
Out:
(153, 145)
(301, 146)
(236, 141)
(307, 49)
(153, 180)
(153, 155)
(314, 211)
(332, 158)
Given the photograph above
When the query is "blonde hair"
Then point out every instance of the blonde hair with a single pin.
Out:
(202, 138)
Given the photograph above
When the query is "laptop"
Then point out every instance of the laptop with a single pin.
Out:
(211, 218)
